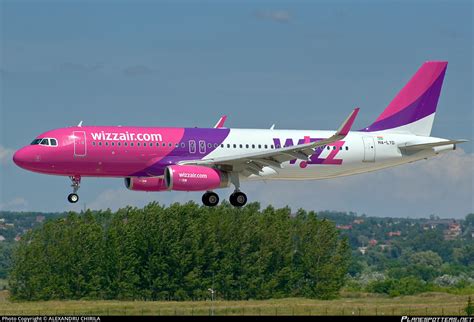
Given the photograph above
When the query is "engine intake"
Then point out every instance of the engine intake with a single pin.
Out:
(194, 178)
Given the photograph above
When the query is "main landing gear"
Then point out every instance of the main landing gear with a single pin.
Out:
(237, 198)
(210, 199)
(76, 182)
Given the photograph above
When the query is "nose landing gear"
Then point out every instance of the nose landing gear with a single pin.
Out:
(76, 182)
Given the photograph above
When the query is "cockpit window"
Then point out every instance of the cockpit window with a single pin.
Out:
(45, 141)
(36, 141)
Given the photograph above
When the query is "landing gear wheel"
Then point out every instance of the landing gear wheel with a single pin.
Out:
(238, 199)
(73, 198)
(76, 183)
(210, 199)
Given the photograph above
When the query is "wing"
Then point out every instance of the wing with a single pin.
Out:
(416, 147)
(253, 163)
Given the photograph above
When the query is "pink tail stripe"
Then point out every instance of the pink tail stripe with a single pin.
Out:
(422, 81)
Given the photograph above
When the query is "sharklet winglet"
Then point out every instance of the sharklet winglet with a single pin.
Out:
(347, 125)
(221, 122)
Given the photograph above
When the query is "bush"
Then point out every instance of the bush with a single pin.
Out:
(393, 287)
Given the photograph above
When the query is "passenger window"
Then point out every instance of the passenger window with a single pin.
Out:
(183, 145)
(328, 148)
(169, 144)
(259, 146)
(253, 146)
(235, 145)
(113, 143)
(271, 146)
(107, 143)
(125, 143)
(216, 145)
(209, 145)
(100, 143)
(228, 146)
(266, 146)
(347, 148)
(240, 145)
(334, 147)
(247, 146)
(138, 144)
(131, 143)
(93, 143)
(222, 145)
(118, 143)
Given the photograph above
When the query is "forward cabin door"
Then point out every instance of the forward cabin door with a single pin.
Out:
(80, 148)
(369, 149)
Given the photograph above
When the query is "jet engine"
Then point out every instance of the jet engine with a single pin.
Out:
(194, 178)
(145, 184)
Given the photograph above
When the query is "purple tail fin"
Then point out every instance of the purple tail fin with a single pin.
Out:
(413, 109)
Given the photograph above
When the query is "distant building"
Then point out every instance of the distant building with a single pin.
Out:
(2, 220)
(362, 250)
(395, 233)
(373, 242)
(453, 231)
(344, 227)
(40, 218)
(358, 221)
(17, 238)
(9, 225)
(2, 238)
(384, 246)
(442, 223)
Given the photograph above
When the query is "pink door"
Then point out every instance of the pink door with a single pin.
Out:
(80, 148)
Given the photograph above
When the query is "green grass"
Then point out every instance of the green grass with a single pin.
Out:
(350, 304)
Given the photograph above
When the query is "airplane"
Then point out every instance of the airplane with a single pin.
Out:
(206, 159)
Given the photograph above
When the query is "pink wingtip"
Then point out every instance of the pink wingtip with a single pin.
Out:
(221, 122)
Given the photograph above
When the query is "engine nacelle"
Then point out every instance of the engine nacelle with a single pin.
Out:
(145, 184)
(194, 178)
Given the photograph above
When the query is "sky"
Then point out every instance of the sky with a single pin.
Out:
(298, 64)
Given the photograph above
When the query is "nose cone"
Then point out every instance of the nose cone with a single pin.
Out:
(23, 158)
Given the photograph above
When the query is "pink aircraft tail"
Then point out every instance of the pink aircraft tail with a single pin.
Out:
(413, 109)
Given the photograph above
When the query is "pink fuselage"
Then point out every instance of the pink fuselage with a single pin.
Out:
(106, 151)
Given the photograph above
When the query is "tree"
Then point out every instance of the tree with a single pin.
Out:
(179, 252)
(469, 307)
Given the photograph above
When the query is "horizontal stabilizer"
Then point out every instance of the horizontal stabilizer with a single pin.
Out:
(413, 147)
